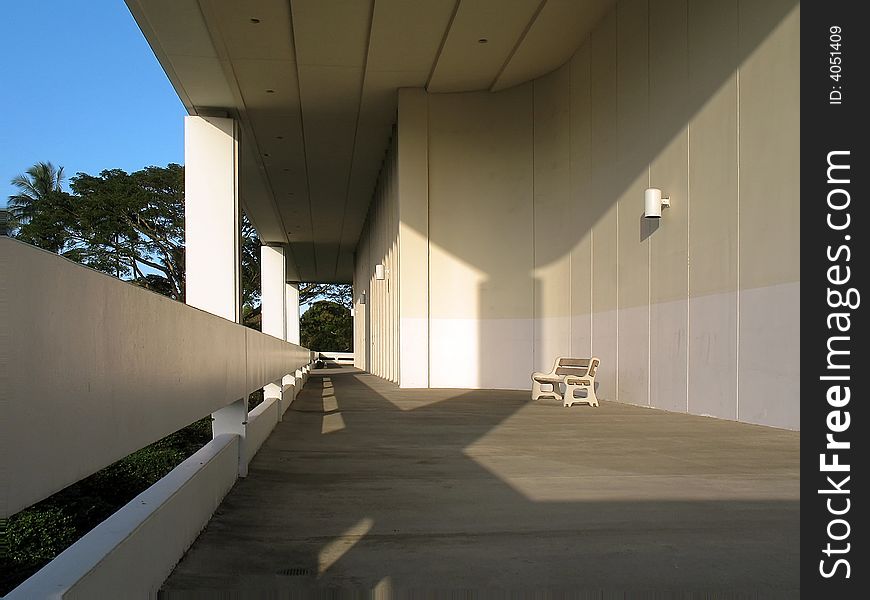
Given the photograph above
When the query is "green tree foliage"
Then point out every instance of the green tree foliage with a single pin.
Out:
(327, 326)
(120, 223)
(130, 225)
(340, 293)
(123, 224)
(251, 316)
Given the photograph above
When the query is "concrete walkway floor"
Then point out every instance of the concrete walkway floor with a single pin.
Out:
(368, 487)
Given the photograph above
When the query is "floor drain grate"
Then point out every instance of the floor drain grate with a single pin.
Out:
(294, 572)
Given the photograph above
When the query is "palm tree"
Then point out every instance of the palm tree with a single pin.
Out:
(36, 186)
(40, 210)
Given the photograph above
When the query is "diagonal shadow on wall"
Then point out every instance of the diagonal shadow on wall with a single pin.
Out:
(536, 195)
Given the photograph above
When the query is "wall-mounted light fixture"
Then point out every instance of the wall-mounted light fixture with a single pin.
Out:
(379, 272)
(653, 203)
(362, 298)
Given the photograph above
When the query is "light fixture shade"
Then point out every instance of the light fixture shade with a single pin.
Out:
(652, 203)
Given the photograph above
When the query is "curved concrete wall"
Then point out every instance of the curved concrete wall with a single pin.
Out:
(536, 242)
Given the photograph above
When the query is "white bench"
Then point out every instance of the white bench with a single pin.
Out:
(576, 374)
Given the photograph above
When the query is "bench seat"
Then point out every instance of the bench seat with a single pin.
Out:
(576, 374)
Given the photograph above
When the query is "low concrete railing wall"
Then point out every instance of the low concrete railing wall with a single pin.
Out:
(93, 369)
(341, 358)
(96, 368)
(131, 553)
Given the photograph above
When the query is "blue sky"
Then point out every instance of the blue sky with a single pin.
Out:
(82, 89)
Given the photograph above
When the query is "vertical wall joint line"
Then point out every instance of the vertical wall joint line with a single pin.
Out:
(737, 383)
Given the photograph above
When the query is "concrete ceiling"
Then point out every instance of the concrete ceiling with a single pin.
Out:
(313, 84)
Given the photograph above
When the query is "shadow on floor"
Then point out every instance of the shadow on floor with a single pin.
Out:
(366, 487)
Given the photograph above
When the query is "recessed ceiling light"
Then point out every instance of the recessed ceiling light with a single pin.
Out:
(254, 20)
(270, 91)
(482, 41)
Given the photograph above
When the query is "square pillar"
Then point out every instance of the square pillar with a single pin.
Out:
(413, 197)
(273, 308)
(213, 240)
(291, 296)
(211, 216)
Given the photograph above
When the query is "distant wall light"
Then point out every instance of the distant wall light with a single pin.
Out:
(653, 203)
(379, 272)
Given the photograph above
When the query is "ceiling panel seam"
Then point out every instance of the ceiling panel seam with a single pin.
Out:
(443, 43)
(518, 43)
(355, 134)
(304, 144)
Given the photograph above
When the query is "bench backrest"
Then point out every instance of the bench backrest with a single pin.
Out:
(580, 367)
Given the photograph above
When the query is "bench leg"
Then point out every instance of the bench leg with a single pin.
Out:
(570, 400)
(538, 393)
(593, 399)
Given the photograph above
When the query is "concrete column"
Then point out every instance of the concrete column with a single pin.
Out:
(211, 215)
(272, 284)
(413, 179)
(291, 291)
(273, 310)
(212, 239)
(291, 299)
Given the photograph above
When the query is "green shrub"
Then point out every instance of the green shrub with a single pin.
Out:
(34, 536)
